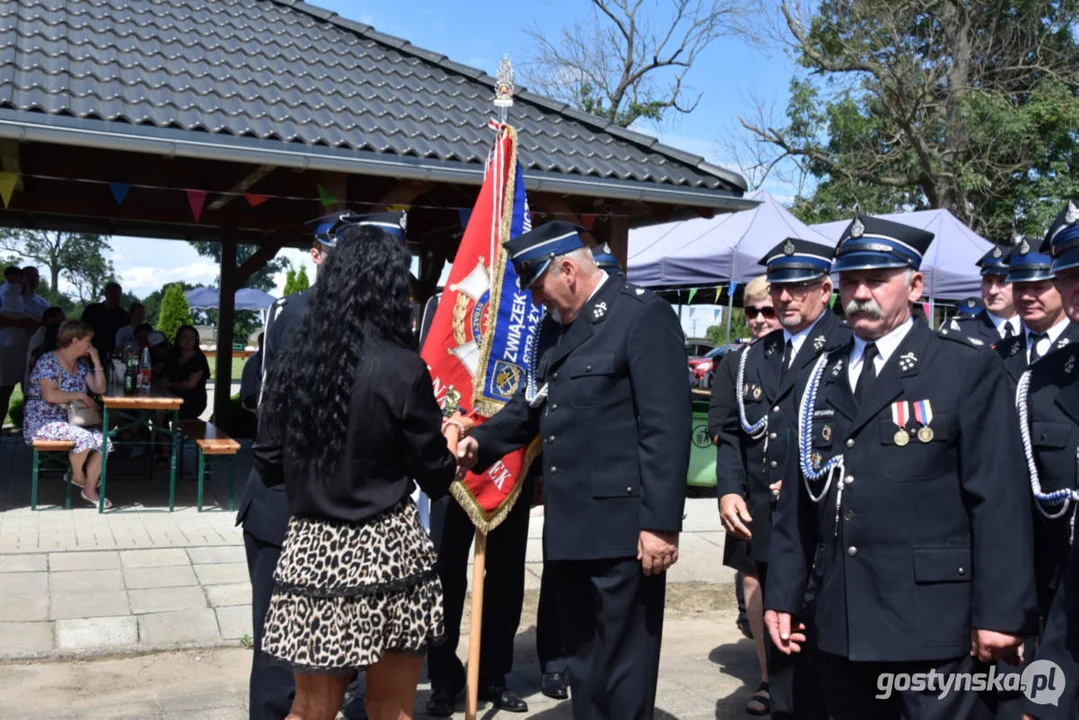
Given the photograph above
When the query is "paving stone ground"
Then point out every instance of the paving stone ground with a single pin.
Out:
(141, 613)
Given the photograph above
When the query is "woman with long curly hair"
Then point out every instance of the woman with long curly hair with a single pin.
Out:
(348, 421)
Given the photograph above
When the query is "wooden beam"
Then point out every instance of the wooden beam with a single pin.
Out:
(9, 160)
(226, 316)
(404, 193)
(256, 262)
(615, 232)
(241, 187)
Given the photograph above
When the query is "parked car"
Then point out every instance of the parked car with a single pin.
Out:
(697, 347)
(703, 369)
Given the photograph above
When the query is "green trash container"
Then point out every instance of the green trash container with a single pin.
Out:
(702, 453)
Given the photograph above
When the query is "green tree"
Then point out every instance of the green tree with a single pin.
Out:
(717, 334)
(79, 258)
(247, 321)
(152, 302)
(302, 281)
(623, 63)
(290, 282)
(174, 311)
(968, 105)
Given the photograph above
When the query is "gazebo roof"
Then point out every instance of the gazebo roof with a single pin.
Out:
(285, 83)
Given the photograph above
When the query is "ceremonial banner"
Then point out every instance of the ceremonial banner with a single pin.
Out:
(484, 329)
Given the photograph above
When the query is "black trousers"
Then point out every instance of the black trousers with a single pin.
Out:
(503, 591)
(550, 640)
(272, 685)
(794, 686)
(851, 690)
(612, 617)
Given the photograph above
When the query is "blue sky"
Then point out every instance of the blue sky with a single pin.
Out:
(730, 74)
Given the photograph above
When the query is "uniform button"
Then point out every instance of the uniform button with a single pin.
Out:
(554, 470)
(772, 436)
(962, 571)
(554, 406)
(588, 368)
(772, 464)
(554, 375)
(849, 515)
(775, 409)
(629, 491)
(550, 439)
(848, 480)
(850, 442)
(852, 551)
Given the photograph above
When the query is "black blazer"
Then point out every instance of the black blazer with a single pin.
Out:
(394, 435)
(749, 466)
(977, 326)
(1014, 350)
(616, 425)
(264, 510)
(917, 557)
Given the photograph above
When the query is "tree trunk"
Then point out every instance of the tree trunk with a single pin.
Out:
(957, 30)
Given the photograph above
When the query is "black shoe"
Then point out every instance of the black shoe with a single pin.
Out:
(442, 703)
(502, 698)
(554, 686)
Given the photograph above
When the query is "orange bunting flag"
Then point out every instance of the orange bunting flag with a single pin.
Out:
(255, 200)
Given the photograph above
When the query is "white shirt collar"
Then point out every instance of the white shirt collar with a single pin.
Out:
(886, 346)
(1052, 333)
(999, 323)
(799, 339)
(603, 279)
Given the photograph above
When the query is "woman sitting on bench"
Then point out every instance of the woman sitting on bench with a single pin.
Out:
(58, 378)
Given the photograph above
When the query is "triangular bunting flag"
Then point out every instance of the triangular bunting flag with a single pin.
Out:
(119, 192)
(399, 207)
(719, 291)
(692, 292)
(196, 199)
(255, 200)
(589, 221)
(831, 300)
(325, 197)
(7, 185)
(463, 216)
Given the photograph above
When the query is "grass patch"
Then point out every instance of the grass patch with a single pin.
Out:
(17, 395)
(237, 368)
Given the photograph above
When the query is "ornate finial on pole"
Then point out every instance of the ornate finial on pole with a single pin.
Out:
(503, 99)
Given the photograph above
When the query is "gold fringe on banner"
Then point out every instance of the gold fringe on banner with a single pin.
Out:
(486, 523)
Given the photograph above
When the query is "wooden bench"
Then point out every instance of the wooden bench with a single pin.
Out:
(211, 441)
(47, 448)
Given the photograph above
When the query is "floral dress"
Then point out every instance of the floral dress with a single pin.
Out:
(46, 421)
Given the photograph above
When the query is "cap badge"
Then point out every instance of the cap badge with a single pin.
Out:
(1070, 365)
(858, 229)
(599, 311)
(1024, 248)
(997, 252)
(788, 248)
(1072, 214)
(908, 361)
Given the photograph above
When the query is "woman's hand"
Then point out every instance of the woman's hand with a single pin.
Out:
(94, 356)
(89, 401)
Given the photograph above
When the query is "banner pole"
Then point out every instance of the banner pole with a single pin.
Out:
(476, 625)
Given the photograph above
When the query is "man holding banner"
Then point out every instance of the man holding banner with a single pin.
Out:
(607, 395)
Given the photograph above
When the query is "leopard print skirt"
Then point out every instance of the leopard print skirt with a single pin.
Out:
(345, 593)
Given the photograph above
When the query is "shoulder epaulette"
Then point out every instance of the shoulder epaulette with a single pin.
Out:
(971, 342)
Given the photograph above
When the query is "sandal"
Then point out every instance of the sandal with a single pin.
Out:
(69, 479)
(763, 701)
(93, 503)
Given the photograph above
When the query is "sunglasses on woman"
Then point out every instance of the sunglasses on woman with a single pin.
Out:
(753, 311)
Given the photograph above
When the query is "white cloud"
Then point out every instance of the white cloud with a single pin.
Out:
(142, 280)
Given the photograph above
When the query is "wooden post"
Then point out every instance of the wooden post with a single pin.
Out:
(476, 626)
(226, 316)
(617, 237)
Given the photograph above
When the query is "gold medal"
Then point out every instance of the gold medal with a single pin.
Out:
(925, 434)
(901, 438)
(757, 393)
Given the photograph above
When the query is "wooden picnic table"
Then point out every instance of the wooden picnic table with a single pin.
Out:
(138, 410)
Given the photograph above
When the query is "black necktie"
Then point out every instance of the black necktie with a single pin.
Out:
(1034, 338)
(788, 350)
(868, 374)
(1009, 331)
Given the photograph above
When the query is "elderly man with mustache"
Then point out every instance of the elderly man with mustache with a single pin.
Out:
(904, 510)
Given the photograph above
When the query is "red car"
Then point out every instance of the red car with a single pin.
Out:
(702, 369)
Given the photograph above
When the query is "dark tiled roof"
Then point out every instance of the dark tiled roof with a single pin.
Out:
(281, 70)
